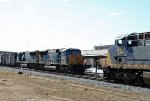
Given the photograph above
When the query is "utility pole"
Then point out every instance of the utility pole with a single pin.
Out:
(96, 65)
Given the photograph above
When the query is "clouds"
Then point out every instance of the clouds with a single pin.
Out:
(39, 0)
(94, 8)
(85, 16)
(118, 13)
(28, 10)
(11, 1)
(6, 1)
(67, 3)
(114, 14)
(55, 23)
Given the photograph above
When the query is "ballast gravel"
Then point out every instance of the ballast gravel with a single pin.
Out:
(80, 80)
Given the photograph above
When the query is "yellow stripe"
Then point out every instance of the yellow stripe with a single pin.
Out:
(129, 66)
(108, 60)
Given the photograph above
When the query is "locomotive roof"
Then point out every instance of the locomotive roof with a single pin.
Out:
(121, 36)
(131, 34)
(70, 49)
(7, 52)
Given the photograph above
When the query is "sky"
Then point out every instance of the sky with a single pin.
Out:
(27, 25)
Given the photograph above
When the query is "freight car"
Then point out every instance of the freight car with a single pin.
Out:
(128, 61)
(61, 60)
(8, 58)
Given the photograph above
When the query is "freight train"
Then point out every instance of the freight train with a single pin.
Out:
(61, 60)
(128, 61)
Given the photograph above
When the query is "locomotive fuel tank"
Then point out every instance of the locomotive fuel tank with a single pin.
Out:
(52, 68)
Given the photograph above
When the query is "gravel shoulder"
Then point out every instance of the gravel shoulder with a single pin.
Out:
(21, 87)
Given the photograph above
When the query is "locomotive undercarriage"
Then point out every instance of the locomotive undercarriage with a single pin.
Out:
(73, 69)
(125, 76)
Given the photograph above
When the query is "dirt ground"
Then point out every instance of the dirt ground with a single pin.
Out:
(20, 87)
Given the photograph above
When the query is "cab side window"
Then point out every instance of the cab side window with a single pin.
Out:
(147, 36)
(118, 42)
(141, 36)
(131, 43)
(132, 40)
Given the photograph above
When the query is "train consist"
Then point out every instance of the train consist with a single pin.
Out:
(128, 60)
(61, 60)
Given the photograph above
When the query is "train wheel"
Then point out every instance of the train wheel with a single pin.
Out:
(58, 69)
(125, 78)
(107, 74)
(65, 70)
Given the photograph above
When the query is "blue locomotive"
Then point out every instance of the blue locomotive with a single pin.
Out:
(128, 61)
(61, 60)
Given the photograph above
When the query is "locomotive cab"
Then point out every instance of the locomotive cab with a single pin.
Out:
(73, 59)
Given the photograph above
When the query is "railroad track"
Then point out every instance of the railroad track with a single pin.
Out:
(97, 77)
(92, 77)
(84, 76)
